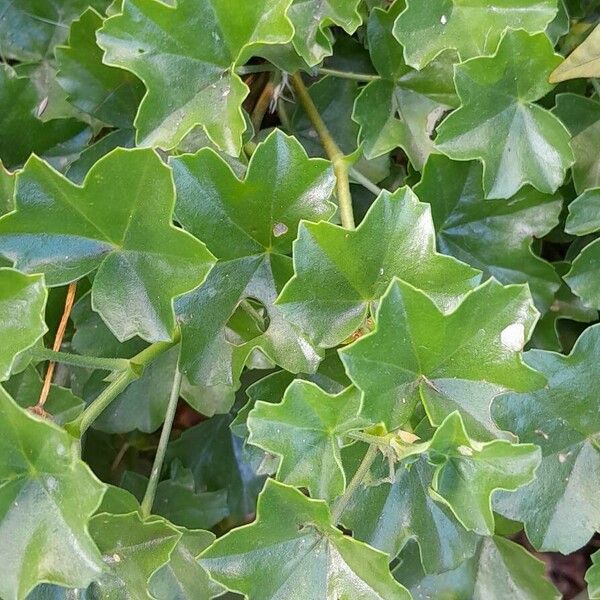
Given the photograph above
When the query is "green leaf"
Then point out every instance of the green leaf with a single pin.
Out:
(29, 29)
(517, 141)
(419, 353)
(132, 550)
(352, 269)
(22, 305)
(402, 108)
(47, 496)
(560, 508)
(7, 190)
(593, 577)
(468, 472)
(249, 226)
(182, 578)
(584, 61)
(185, 55)
(387, 516)
(584, 213)
(19, 106)
(582, 118)
(492, 235)
(292, 550)
(306, 431)
(499, 569)
(118, 222)
(473, 28)
(105, 93)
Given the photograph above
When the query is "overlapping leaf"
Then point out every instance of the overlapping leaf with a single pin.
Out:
(185, 54)
(517, 141)
(560, 508)
(306, 430)
(47, 496)
(341, 274)
(584, 61)
(459, 360)
(118, 222)
(473, 28)
(593, 577)
(292, 550)
(492, 235)
(249, 226)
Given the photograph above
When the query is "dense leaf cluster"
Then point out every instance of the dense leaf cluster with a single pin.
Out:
(298, 298)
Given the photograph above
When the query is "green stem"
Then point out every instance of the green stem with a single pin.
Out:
(78, 360)
(336, 156)
(361, 473)
(134, 370)
(347, 74)
(364, 181)
(283, 115)
(159, 459)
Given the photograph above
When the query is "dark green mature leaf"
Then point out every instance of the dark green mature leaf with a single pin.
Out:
(593, 577)
(306, 430)
(132, 550)
(582, 118)
(22, 305)
(47, 495)
(388, 515)
(293, 551)
(185, 55)
(459, 360)
(29, 29)
(560, 508)
(18, 110)
(468, 472)
(249, 226)
(584, 61)
(499, 569)
(492, 235)
(474, 28)
(584, 213)
(340, 274)
(118, 222)
(403, 107)
(105, 93)
(517, 141)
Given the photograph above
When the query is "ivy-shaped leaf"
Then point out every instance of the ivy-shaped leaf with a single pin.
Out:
(7, 190)
(292, 550)
(460, 360)
(50, 139)
(517, 141)
(105, 93)
(118, 222)
(492, 235)
(473, 28)
(305, 430)
(468, 472)
(560, 508)
(593, 577)
(582, 117)
(186, 56)
(403, 107)
(47, 496)
(341, 274)
(133, 550)
(22, 305)
(249, 226)
(584, 61)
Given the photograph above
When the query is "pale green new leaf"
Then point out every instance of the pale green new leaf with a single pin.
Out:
(47, 496)
(306, 431)
(118, 222)
(186, 54)
(293, 551)
(492, 235)
(561, 507)
(341, 274)
(468, 472)
(22, 305)
(249, 226)
(498, 123)
(584, 61)
(455, 361)
(473, 28)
